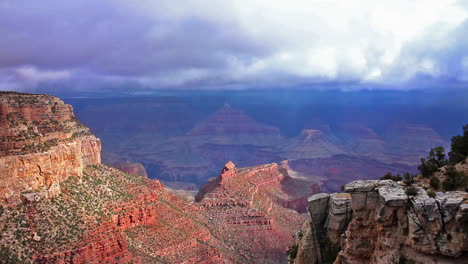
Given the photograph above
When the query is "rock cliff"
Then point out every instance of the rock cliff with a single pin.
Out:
(377, 222)
(135, 168)
(247, 207)
(60, 205)
(41, 145)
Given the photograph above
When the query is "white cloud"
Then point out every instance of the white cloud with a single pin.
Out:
(249, 42)
(27, 77)
(32, 75)
(336, 39)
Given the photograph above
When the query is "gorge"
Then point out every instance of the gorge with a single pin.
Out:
(60, 204)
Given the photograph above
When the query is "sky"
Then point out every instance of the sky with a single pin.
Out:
(233, 44)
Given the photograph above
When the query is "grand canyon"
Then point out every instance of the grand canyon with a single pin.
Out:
(61, 204)
(233, 132)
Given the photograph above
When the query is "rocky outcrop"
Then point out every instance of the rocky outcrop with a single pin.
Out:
(41, 145)
(135, 168)
(247, 208)
(322, 235)
(387, 225)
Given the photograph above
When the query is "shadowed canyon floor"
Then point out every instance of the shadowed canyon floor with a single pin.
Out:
(189, 148)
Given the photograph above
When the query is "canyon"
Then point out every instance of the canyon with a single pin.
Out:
(183, 142)
(61, 205)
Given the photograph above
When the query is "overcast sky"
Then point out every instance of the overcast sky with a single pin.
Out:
(224, 44)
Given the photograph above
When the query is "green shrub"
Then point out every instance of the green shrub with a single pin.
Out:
(411, 191)
(454, 179)
(459, 147)
(6, 256)
(409, 179)
(392, 177)
(431, 194)
(435, 182)
(432, 162)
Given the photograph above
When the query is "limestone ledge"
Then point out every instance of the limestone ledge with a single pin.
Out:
(377, 222)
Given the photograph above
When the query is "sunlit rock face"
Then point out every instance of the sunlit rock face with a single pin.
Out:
(66, 207)
(377, 222)
(248, 207)
(41, 145)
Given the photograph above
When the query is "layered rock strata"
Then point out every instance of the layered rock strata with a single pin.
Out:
(246, 208)
(321, 235)
(63, 206)
(387, 226)
(41, 145)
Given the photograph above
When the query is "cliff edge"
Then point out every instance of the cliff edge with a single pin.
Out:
(41, 145)
(376, 221)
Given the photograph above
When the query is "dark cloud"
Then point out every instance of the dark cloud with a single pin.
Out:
(222, 44)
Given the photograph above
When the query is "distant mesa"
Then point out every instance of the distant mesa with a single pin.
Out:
(311, 143)
(230, 121)
(135, 168)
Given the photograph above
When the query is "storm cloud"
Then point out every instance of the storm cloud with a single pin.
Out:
(232, 43)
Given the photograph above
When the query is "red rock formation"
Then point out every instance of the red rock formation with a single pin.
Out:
(99, 214)
(249, 205)
(229, 171)
(41, 145)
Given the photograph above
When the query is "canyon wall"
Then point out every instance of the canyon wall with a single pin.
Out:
(41, 145)
(246, 208)
(60, 205)
(377, 222)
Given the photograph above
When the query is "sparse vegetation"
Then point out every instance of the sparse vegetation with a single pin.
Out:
(64, 219)
(431, 194)
(459, 147)
(411, 191)
(40, 147)
(454, 179)
(409, 178)
(435, 182)
(392, 177)
(432, 162)
(8, 257)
